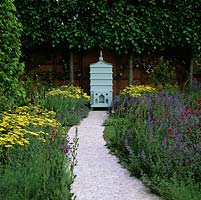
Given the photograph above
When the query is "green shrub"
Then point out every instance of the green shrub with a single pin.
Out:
(12, 92)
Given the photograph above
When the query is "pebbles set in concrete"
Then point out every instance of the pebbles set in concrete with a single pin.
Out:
(98, 174)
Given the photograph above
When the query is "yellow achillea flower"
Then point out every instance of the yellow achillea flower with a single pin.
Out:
(8, 145)
(137, 90)
(14, 126)
(42, 139)
(69, 91)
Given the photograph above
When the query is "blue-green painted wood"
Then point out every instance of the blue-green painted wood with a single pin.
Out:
(101, 76)
(101, 83)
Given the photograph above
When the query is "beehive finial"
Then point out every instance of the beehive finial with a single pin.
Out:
(101, 56)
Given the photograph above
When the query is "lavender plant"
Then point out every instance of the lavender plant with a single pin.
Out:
(159, 137)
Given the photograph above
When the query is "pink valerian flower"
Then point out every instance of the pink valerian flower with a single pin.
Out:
(188, 112)
(183, 114)
(193, 111)
(170, 132)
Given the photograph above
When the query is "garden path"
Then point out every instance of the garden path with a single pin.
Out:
(99, 176)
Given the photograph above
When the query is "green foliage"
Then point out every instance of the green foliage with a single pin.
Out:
(12, 91)
(179, 190)
(169, 88)
(194, 93)
(39, 19)
(197, 64)
(122, 26)
(163, 74)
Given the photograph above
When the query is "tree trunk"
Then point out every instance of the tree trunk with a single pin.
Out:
(71, 69)
(130, 75)
(191, 72)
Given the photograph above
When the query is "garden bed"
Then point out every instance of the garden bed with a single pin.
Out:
(34, 147)
(157, 137)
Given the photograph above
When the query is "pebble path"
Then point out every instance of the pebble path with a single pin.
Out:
(99, 176)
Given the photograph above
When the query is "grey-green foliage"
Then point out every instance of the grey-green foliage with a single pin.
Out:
(11, 89)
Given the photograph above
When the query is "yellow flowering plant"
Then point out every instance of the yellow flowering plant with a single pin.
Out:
(17, 126)
(128, 92)
(137, 90)
(69, 91)
(69, 102)
(33, 144)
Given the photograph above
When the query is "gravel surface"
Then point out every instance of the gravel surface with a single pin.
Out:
(99, 176)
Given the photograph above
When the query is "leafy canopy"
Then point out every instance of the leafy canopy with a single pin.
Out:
(122, 26)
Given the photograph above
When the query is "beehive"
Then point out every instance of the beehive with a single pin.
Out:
(101, 84)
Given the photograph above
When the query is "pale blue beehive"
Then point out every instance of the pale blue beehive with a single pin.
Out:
(101, 83)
